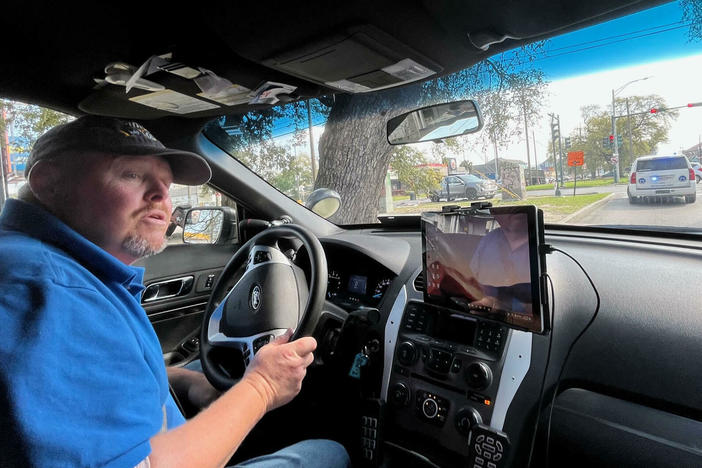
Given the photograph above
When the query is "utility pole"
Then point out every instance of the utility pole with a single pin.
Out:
(536, 160)
(556, 134)
(615, 147)
(560, 150)
(628, 124)
(309, 125)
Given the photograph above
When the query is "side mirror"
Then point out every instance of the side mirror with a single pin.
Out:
(210, 225)
(323, 201)
(435, 123)
(177, 218)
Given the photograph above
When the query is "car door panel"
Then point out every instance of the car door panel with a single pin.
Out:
(187, 274)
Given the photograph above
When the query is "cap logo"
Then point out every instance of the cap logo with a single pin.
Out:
(133, 129)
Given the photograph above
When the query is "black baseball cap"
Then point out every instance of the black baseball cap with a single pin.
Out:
(109, 135)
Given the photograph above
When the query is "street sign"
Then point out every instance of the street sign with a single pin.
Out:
(614, 160)
(576, 158)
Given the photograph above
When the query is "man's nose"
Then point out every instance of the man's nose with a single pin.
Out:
(158, 191)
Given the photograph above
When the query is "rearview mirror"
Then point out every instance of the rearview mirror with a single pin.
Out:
(435, 123)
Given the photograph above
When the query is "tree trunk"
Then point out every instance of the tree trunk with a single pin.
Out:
(354, 153)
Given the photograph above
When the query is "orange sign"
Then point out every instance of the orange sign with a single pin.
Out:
(576, 158)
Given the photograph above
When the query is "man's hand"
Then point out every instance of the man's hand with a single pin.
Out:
(277, 371)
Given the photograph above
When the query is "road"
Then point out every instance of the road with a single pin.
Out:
(617, 210)
(539, 193)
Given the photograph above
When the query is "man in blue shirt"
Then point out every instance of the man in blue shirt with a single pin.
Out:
(83, 367)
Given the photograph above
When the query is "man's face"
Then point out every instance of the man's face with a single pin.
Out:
(121, 204)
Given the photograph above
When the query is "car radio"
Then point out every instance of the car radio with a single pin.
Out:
(445, 372)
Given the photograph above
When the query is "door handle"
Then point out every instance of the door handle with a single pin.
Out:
(167, 289)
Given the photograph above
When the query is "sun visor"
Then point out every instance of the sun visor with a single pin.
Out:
(362, 60)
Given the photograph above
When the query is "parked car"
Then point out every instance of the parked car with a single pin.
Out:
(698, 171)
(466, 186)
(661, 177)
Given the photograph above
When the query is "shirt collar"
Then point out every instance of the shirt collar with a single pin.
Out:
(37, 222)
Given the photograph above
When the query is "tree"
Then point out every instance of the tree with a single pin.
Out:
(406, 162)
(692, 13)
(354, 153)
(647, 131)
(529, 94)
(295, 180)
(354, 135)
(28, 122)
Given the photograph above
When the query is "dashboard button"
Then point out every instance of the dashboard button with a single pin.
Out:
(407, 353)
(430, 408)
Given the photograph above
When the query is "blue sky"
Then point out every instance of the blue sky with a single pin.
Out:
(651, 35)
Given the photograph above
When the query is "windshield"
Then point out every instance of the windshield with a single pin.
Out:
(661, 164)
(564, 120)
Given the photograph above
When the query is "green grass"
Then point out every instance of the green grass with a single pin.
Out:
(400, 197)
(581, 183)
(555, 208)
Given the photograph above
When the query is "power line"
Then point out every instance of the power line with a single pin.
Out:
(619, 35)
(610, 43)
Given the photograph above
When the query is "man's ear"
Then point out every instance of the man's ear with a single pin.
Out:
(43, 180)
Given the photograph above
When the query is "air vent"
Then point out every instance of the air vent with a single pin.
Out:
(419, 282)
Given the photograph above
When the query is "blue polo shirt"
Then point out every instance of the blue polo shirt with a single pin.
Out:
(84, 367)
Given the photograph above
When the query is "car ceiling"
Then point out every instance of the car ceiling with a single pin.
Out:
(55, 53)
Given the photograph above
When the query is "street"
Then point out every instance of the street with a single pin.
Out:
(618, 211)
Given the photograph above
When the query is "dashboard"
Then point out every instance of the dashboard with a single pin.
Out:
(628, 395)
(355, 280)
(446, 377)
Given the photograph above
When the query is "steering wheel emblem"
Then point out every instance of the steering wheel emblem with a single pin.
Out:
(255, 298)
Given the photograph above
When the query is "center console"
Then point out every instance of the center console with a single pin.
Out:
(445, 373)
(456, 358)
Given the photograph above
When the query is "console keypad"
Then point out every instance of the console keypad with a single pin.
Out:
(369, 437)
(490, 337)
(415, 319)
(488, 447)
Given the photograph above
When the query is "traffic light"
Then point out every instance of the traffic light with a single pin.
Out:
(619, 140)
(605, 142)
(694, 104)
(567, 142)
(654, 110)
(611, 141)
(555, 130)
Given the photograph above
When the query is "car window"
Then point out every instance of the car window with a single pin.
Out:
(661, 164)
(539, 103)
(187, 196)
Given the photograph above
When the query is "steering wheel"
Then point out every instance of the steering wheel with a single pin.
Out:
(271, 296)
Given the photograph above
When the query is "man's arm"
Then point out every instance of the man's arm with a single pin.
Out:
(211, 438)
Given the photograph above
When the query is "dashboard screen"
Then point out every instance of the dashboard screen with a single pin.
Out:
(357, 284)
(486, 263)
